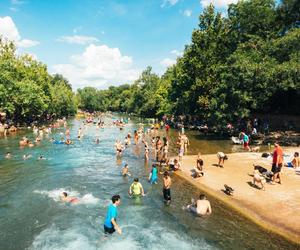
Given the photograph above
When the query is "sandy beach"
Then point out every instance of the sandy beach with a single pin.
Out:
(276, 209)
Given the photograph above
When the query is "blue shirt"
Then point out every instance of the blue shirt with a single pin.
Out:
(154, 174)
(246, 138)
(112, 212)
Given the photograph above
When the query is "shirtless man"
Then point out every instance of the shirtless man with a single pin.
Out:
(201, 207)
(167, 187)
(64, 197)
(119, 147)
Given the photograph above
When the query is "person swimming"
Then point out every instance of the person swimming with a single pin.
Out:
(26, 156)
(8, 155)
(64, 197)
(41, 157)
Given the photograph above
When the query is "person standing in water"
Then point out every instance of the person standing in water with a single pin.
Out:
(167, 187)
(110, 223)
(153, 175)
(136, 188)
(146, 151)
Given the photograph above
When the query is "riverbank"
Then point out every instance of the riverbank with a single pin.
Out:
(277, 209)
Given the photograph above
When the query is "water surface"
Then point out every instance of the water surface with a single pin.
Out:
(32, 217)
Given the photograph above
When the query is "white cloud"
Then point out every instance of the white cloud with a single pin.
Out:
(98, 66)
(176, 52)
(168, 3)
(78, 39)
(17, 2)
(187, 13)
(167, 62)
(217, 3)
(26, 43)
(9, 31)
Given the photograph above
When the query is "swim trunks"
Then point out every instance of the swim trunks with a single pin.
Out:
(109, 230)
(167, 194)
(275, 169)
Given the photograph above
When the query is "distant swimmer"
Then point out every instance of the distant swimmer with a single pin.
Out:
(68, 142)
(41, 157)
(64, 197)
(26, 156)
(201, 206)
(8, 155)
(153, 175)
(125, 171)
(110, 223)
(79, 135)
(136, 188)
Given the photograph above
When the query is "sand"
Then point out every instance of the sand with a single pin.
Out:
(276, 209)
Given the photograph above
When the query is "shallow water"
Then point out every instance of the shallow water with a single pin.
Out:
(32, 217)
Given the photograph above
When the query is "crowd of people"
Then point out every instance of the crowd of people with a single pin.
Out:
(156, 144)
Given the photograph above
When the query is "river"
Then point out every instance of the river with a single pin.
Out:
(32, 217)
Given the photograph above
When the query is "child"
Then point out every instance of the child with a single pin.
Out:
(222, 157)
(153, 175)
(125, 171)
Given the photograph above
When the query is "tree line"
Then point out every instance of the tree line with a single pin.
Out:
(28, 92)
(244, 63)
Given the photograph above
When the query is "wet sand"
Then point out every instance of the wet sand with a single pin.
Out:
(277, 209)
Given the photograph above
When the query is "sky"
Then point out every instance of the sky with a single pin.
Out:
(102, 42)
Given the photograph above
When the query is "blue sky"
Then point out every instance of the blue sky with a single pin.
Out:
(102, 42)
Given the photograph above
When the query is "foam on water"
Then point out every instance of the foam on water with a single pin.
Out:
(77, 238)
(53, 238)
(56, 193)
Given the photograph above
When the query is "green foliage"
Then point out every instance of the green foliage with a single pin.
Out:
(27, 91)
(234, 66)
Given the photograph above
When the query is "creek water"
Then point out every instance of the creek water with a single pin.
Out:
(33, 217)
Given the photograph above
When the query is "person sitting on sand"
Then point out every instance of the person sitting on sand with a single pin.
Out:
(295, 163)
(176, 166)
(222, 157)
(125, 171)
(64, 197)
(136, 188)
(201, 206)
(198, 170)
(258, 178)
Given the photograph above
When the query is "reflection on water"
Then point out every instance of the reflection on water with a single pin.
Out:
(32, 217)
